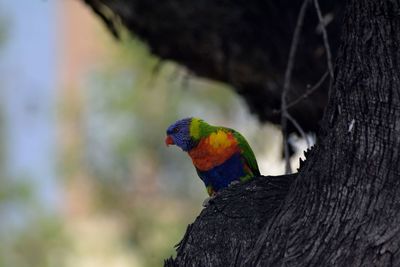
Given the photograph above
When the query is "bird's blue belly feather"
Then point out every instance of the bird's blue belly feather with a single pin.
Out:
(222, 175)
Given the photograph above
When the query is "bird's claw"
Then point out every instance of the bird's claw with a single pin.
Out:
(234, 182)
(208, 201)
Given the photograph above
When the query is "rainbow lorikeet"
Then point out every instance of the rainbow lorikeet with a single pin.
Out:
(220, 155)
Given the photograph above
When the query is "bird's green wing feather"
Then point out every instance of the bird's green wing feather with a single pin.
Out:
(247, 152)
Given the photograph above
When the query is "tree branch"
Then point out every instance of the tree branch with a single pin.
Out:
(286, 83)
(241, 43)
(325, 38)
(231, 223)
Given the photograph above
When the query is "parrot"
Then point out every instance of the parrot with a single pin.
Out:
(220, 155)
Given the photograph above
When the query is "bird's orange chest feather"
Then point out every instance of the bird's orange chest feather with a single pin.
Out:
(213, 150)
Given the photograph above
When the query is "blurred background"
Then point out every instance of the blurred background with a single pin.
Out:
(85, 177)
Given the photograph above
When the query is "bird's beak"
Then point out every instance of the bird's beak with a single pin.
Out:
(169, 141)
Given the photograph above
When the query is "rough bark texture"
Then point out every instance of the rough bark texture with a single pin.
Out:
(242, 43)
(226, 231)
(343, 209)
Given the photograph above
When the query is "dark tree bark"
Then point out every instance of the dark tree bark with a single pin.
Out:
(343, 207)
(226, 231)
(242, 43)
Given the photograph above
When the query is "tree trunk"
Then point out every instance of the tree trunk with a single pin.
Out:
(343, 209)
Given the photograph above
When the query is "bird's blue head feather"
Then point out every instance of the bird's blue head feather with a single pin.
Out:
(179, 134)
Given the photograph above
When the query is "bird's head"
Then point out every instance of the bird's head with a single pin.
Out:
(179, 134)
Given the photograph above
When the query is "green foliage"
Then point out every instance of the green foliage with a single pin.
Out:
(29, 237)
(38, 244)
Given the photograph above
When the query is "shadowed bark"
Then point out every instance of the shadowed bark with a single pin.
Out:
(242, 43)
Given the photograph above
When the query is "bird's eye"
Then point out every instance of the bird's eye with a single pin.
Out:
(176, 129)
